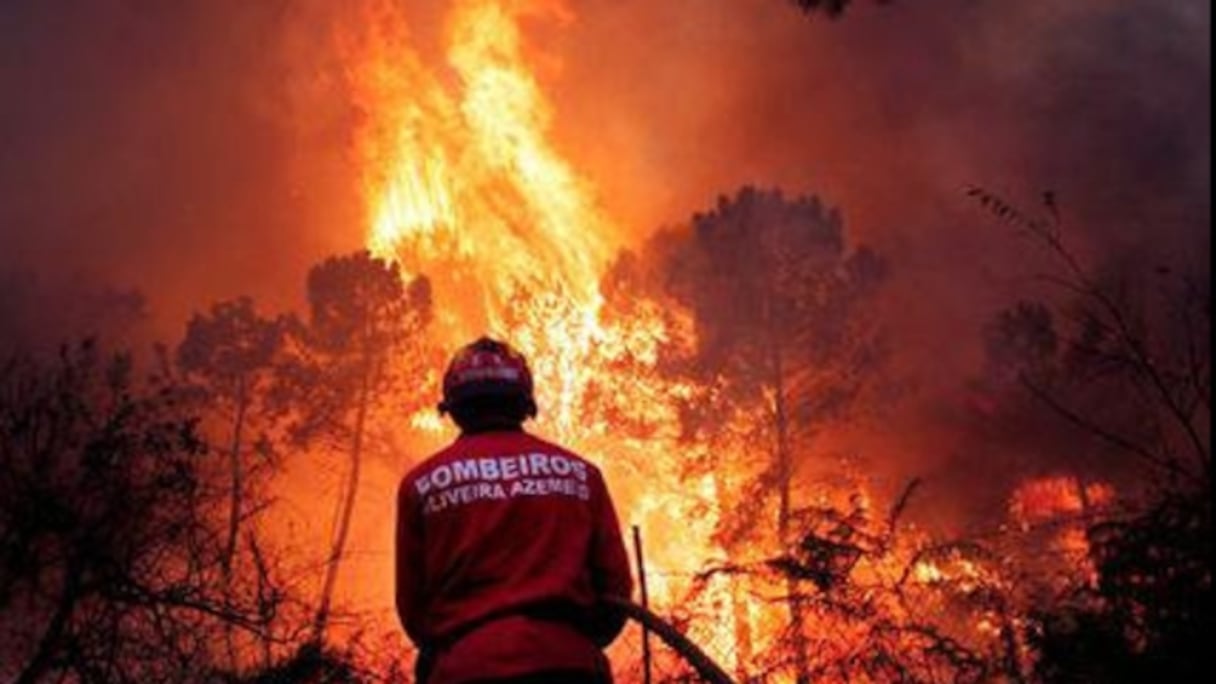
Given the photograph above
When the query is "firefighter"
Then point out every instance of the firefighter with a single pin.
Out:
(506, 544)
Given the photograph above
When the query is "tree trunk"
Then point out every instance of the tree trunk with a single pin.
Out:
(234, 509)
(785, 474)
(738, 604)
(44, 654)
(348, 506)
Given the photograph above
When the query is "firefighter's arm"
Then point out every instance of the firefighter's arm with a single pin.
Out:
(609, 569)
(409, 559)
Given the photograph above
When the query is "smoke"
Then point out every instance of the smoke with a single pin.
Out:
(891, 110)
(199, 150)
(903, 98)
(149, 145)
(888, 114)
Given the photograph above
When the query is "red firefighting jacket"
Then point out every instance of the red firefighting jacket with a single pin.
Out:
(505, 546)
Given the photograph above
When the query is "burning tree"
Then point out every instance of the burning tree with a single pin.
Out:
(777, 299)
(362, 340)
(783, 349)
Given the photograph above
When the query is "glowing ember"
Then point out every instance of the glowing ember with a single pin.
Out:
(1052, 498)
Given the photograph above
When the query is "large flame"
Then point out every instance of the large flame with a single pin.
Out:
(463, 184)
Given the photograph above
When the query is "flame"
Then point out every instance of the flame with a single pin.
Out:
(462, 184)
(1052, 498)
(1062, 505)
(928, 572)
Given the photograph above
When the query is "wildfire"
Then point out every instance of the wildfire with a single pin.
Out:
(462, 184)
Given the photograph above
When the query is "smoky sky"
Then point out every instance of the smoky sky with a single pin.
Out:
(144, 144)
(891, 110)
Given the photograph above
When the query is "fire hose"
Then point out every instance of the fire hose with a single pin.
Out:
(708, 670)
